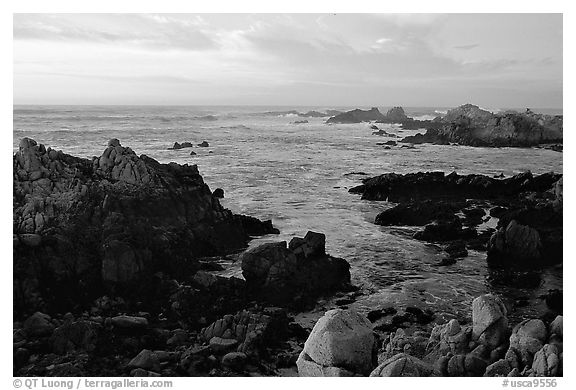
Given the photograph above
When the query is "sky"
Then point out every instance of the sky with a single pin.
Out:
(493, 60)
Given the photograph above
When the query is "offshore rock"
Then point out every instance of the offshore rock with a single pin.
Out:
(357, 116)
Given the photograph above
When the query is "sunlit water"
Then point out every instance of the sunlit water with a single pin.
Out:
(298, 175)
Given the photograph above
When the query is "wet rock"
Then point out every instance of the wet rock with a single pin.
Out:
(38, 325)
(343, 339)
(203, 144)
(490, 323)
(515, 243)
(456, 250)
(441, 230)
(403, 365)
(280, 275)
(357, 116)
(375, 315)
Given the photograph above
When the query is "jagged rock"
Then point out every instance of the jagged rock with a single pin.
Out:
(284, 276)
(146, 360)
(341, 338)
(470, 125)
(38, 325)
(357, 116)
(203, 144)
(546, 361)
(111, 223)
(396, 114)
(403, 365)
(490, 323)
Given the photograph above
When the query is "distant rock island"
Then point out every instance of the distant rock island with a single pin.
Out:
(469, 125)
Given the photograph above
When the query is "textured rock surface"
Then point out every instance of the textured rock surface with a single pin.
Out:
(294, 274)
(470, 125)
(342, 339)
(490, 324)
(110, 223)
(357, 116)
(403, 365)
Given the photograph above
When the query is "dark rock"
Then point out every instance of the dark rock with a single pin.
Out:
(176, 146)
(441, 230)
(417, 213)
(218, 193)
(38, 325)
(203, 144)
(375, 315)
(457, 250)
(282, 275)
(300, 122)
(75, 336)
(357, 116)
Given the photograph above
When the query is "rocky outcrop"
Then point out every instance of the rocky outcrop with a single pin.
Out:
(296, 273)
(490, 323)
(403, 365)
(357, 116)
(340, 344)
(470, 125)
(82, 227)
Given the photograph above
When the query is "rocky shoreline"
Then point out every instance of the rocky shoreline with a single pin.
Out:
(113, 260)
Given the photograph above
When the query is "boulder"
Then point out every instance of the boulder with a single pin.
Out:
(73, 336)
(309, 368)
(146, 360)
(38, 325)
(490, 323)
(557, 327)
(221, 345)
(546, 361)
(234, 360)
(403, 365)
(203, 144)
(500, 368)
(341, 338)
(298, 274)
(515, 243)
(527, 338)
(218, 193)
(129, 322)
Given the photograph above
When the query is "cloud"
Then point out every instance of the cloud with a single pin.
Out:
(466, 47)
(145, 31)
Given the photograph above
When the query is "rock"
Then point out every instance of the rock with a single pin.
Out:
(218, 193)
(276, 273)
(309, 368)
(527, 338)
(234, 360)
(129, 322)
(556, 326)
(490, 324)
(220, 345)
(396, 114)
(357, 116)
(146, 360)
(441, 230)
(403, 365)
(203, 144)
(139, 372)
(515, 243)
(29, 239)
(177, 145)
(500, 368)
(114, 142)
(75, 336)
(38, 325)
(546, 361)
(457, 250)
(300, 122)
(193, 153)
(470, 125)
(341, 338)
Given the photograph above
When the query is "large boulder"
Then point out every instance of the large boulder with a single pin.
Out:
(294, 274)
(527, 338)
(546, 361)
(396, 115)
(489, 320)
(342, 339)
(403, 365)
(515, 243)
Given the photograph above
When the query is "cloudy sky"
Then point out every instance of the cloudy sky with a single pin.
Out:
(494, 60)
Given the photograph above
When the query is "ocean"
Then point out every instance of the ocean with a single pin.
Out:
(298, 175)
